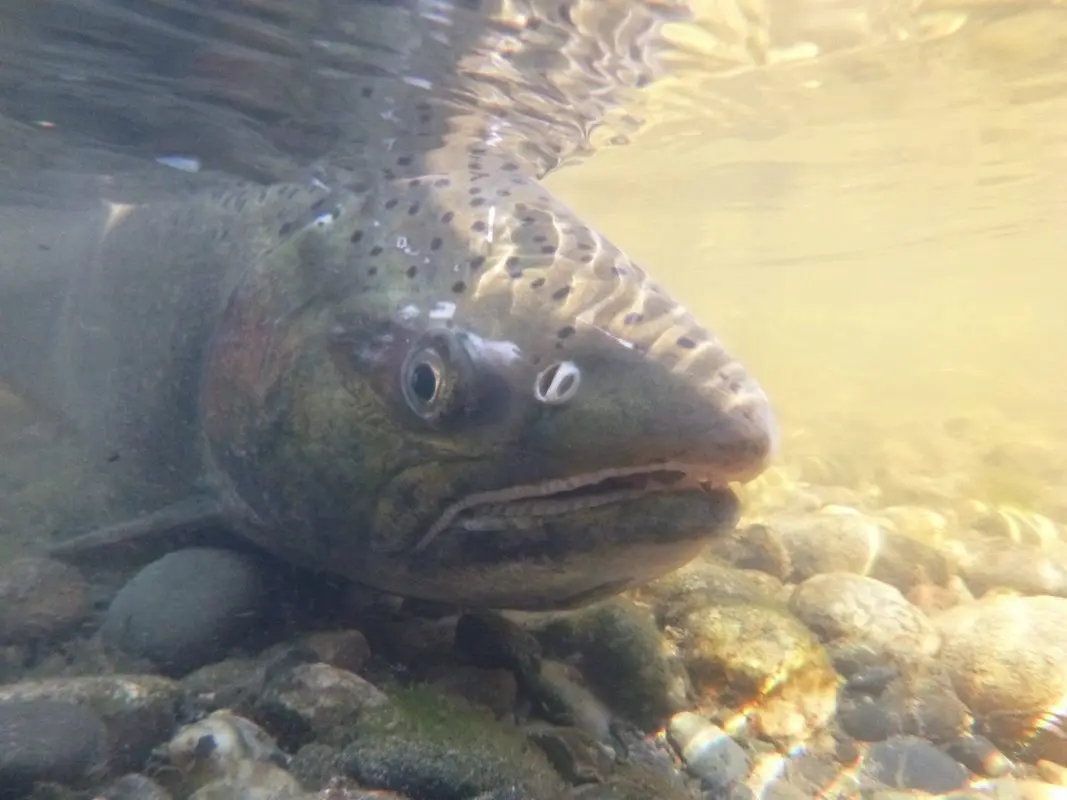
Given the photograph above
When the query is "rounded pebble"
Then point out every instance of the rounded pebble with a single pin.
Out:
(980, 755)
(763, 657)
(707, 751)
(187, 609)
(40, 599)
(853, 608)
(907, 762)
(865, 720)
(1007, 659)
(48, 740)
(134, 786)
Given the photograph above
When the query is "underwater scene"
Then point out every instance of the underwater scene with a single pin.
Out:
(533, 399)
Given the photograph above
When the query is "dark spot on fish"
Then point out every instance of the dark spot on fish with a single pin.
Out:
(528, 221)
(391, 202)
(503, 193)
(540, 238)
(477, 201)
(404, 161)
(442, 183)
(388, 173)
(366, 91)
(477, 151)
(561, 293)
(448, 216)
(586, 259)
(286, 229)
(548, 249)
(537, 283)
(319, 204)
(513, 261)
(632, 318)
(686, 342)
(474, 190)
(425, 118)
(412, 271)
(585, 246)
(565, 332)
(478, 227)
(459, 287)
(414, 183)
(511, 166)
(435, 243)
(477, 262)
(475, 166)
(376, 250)
(618, 270)
(372, 271)
(356, 236)
(413, 209)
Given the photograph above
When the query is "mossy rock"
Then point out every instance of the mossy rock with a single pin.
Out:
(430, 746)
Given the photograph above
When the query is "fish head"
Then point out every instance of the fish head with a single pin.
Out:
(449, 387)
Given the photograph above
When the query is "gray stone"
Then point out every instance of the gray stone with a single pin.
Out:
(187, 609)
(138, 710)
(49, 740)
(315, 702)
(427, 744)
(707, 751)
(907, 762)
(40, 599)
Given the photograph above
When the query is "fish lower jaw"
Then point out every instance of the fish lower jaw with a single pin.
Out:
(529, 504)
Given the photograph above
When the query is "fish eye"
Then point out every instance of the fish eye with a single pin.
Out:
(424, 381)
(558, 383)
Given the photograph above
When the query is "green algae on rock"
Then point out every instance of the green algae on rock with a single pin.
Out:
(427, 744)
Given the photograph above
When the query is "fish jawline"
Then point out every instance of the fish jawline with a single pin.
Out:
(563, 495)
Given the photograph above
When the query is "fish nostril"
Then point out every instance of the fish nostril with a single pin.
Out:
(558, 383)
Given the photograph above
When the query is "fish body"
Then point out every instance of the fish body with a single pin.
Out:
(444, 386)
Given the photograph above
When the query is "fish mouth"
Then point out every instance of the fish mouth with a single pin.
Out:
(529, 503)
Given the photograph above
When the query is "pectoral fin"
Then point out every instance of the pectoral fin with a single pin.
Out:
(200, 520)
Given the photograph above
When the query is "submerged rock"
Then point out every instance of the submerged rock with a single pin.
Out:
(846, 608)
(134, 786)
(795, 547)
(252, 780)
(905, 762)
(40, 599)
(704, 582)
(624, 657)
(50, 741)
(138, 710)
(576, 755)
(765, 659)
(990, 562)
(1007, 659)
(187, 609)
(315, 702)
(426, 744)
(707, 751)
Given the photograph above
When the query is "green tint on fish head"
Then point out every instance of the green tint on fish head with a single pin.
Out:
(448, 387)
